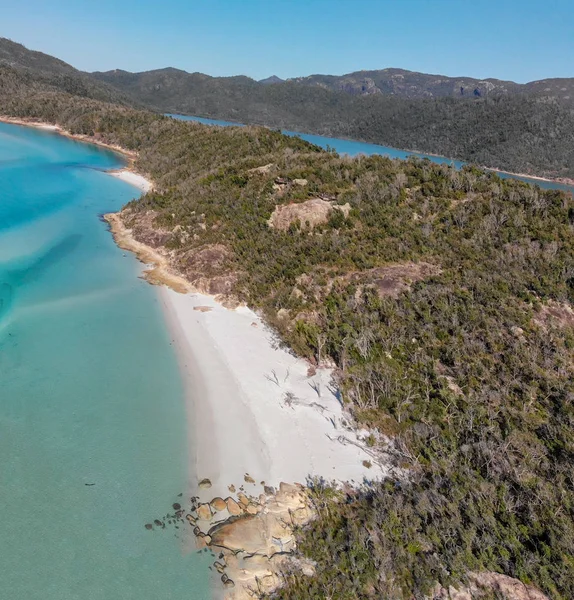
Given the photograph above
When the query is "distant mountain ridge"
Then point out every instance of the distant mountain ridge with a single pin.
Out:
(411, 84)
(270, 80)
(525, 128)
(392, 82)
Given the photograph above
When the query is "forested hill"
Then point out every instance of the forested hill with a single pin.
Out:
(43, 71)
(498, 127)
(393, 82)
(443, 296)
(528, 133)
(410, 84)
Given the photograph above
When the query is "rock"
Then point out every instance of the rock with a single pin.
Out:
(219, 566)
(309, 214)
(263, 534)
(488, 584)
(176, 506)
(301, 182)
(191, 519)
(291, 496)
(269, 490)
(231, 488)
(262, 170)
(252, 509)
(289, 488)
(302, 515)
(232, 507)
(148, 526)
(200, 543)
(505, 586)
(241, 535)
(218, 504)
(229, 583)
(248, 478)
(258, 543)
(204, 512)
(205, 484)
(305, 565)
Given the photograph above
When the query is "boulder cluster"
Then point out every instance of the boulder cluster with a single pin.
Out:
(252, 536)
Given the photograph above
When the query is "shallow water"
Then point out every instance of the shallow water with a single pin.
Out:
(90, 391)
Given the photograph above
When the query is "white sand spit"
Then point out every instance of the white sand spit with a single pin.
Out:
(252, 406)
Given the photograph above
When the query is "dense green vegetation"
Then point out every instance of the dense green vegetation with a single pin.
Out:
(515, 132)
(468, 374)
(42, 71)
(519, 128)
(476, 395)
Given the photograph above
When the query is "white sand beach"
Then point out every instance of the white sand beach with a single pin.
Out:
(252, 406)
(134, 179)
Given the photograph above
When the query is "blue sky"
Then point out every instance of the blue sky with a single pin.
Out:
(508, 39)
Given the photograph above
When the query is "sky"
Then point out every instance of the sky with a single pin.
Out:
(519, 40)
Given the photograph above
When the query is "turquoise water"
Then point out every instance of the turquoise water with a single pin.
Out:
(353, 148)
(89, 391)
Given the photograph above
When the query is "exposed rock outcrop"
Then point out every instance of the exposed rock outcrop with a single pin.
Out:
(253, 538)
(263, 170)
(309, 213)
(392, 280)
(160, 271)
(484, 585)
(557, 314)
(207, 269)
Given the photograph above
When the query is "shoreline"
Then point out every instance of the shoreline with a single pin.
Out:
(130, 154)
(261, 424)
(560, 180)
(256, 412)
(133, 178)
(127, 173)
(255, 417)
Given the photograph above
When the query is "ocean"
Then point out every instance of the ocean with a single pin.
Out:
(93, 441)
